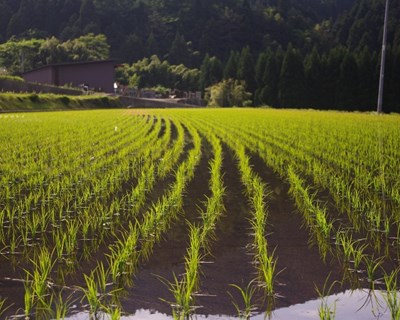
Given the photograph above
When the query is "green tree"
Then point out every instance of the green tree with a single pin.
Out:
(20, 21)
(268, 94)
(368, 80)
(260, 68)
(151, 45)
(52, 51)
(347, 90)
(88, 21)
(132, 49)
(228, 93)
(313, 74)
(210, 72)
(18, 56)
(230, 70)
(179, 52)
(246, 69)
(292, 79)
(88, 47)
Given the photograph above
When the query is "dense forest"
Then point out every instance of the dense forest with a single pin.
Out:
(317, 53)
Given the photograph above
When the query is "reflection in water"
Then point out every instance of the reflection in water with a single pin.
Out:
(354, 305)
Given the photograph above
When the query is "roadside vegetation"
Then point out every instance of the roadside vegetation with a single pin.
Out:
(10, 102)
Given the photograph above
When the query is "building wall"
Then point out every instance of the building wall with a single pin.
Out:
(43, 75)
(96, 75)
(99, 76)
(7, 85)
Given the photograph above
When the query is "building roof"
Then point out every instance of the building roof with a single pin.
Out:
(69, 64)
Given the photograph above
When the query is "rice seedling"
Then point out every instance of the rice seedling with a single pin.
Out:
(247, 295)
(95, 292)
(61, 306)
(3, 307)
(77, 185)
(28, 299)
(372, 266)
(392, 294)
(326, 310)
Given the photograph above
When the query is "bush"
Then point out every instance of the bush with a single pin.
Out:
(11, 78)
(65, 100)
(34, 97)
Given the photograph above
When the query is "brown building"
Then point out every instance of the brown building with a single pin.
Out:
(97, 75)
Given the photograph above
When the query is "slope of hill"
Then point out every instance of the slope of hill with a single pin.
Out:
(136, 29)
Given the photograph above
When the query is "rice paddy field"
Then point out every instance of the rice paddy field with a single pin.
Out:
(200, 213)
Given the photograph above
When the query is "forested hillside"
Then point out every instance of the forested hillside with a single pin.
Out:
(331, 46)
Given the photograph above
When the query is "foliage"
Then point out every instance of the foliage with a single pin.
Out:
(153, 72)
(17, 56)
(11, 78)
(228, 93)
(216, 41)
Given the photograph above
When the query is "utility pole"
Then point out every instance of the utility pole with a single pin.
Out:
(383, 54)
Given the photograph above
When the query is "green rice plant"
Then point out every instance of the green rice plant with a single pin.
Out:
(326, 311)
(372, 266)
(392, 294)
(61, 307)
(28, 299)
(182, 305)
(3, 308)
(123, 257)
(183, 290)
(315, 216)
(115, 313)
(95, 292)
(38, 281)
(92, 295)
(266, 266)
(247, 295)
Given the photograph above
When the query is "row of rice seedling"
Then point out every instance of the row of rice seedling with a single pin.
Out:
(315, 215)
(71, 185)
(115, 266)
(357, 242)
(200, 236)
(137, 243)
(350, 193)
(64, 227)
(67, 204)
(280, 158)
(256, 191)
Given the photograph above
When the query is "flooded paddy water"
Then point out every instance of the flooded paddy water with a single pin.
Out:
(306, 278)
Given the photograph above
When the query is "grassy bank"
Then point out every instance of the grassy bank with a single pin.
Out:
(38, 102)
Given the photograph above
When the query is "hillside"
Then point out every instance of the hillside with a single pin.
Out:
(318, 53)
(136, 29)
